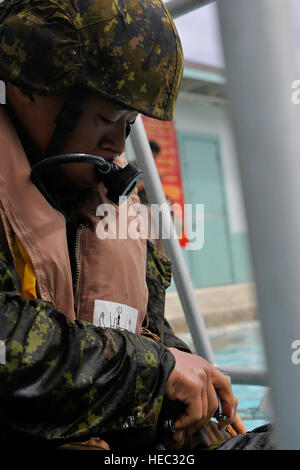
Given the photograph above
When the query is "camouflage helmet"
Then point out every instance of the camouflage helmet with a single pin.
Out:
(128, 50)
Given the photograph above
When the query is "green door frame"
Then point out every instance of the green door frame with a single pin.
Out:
(181, 136)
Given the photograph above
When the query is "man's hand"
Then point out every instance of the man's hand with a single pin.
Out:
(196, 383)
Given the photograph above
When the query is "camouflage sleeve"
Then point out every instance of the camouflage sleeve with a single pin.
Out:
(171, 340)
(63, 381)
(158, 280)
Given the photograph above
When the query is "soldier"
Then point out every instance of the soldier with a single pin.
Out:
(77, 74)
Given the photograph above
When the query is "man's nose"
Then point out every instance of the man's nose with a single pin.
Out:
(116, 136)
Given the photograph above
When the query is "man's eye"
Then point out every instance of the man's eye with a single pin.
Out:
(104, 119)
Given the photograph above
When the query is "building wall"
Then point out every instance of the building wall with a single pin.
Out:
(198, 115)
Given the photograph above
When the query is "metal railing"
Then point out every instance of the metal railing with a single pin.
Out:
(181, 275)
(261, 57)
(181, 7)
(259, 39)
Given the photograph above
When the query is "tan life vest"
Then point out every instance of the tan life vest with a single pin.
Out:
(111, 289)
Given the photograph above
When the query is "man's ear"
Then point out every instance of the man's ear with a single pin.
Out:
(18, 96)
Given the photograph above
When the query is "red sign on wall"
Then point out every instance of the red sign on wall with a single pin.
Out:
(168, 164)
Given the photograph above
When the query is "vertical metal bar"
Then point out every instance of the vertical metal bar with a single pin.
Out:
(181, 275)
(261, 63)
(180, 7)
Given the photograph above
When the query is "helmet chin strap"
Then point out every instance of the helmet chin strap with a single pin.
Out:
(66, 121)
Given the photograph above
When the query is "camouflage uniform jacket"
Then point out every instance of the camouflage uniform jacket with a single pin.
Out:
(67, 380)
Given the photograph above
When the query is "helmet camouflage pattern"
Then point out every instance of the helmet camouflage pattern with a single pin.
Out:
(128, 50)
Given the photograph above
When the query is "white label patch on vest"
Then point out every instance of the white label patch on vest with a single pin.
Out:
(115, 315)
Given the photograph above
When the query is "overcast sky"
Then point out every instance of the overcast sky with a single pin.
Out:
(199, 32)
(200, 35)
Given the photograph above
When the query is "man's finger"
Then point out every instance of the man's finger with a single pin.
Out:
(193, 413)
(238, 425)
(222, 384)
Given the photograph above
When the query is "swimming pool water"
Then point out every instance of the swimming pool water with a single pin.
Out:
(240, 345)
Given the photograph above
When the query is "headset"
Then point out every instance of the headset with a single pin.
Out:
(120, 182)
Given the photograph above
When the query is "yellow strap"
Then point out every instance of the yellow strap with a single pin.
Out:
(25, 271)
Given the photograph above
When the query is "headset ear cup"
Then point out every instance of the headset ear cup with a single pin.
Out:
(128, 129)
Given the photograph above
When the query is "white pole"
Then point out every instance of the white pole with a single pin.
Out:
(261, 64)
(181, 7)
(182, 278)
